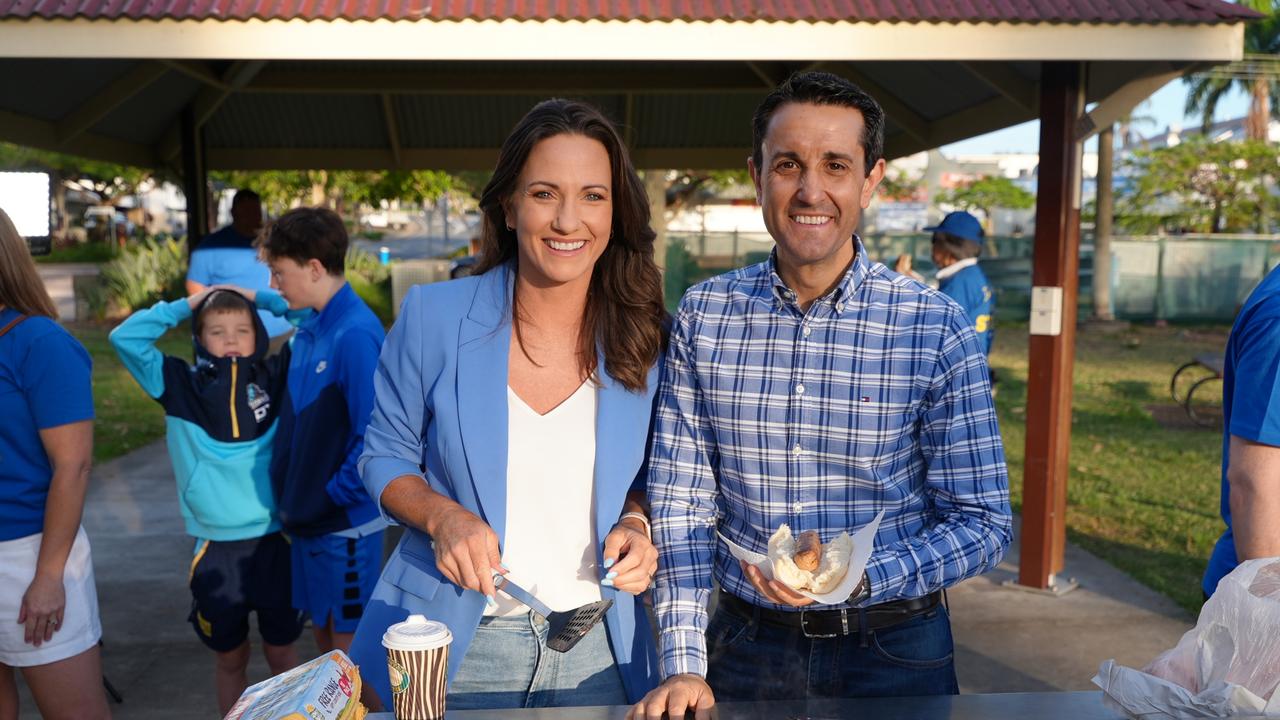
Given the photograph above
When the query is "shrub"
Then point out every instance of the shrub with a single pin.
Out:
(146, 273)
(366, 265)
(372, 282)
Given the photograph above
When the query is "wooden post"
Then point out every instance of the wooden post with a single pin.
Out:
(1055, 281)
(195, 181)
(655, 185)
(1102, 227)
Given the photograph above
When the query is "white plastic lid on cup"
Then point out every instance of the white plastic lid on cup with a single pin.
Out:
(417, 633)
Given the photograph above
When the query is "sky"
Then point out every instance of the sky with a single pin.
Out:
(1165, 106)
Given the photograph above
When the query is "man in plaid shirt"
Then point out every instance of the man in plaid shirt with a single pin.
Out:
(818, 389)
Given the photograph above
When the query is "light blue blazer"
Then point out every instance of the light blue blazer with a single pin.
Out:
(441, 413)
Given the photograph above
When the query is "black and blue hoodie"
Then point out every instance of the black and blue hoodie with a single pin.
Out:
(220, 419)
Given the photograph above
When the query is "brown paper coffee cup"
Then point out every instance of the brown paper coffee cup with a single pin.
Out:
(418, 663)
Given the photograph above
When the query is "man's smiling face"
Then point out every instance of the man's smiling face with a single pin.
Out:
(811, 182)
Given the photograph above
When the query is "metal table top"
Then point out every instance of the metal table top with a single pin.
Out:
(1011, 706)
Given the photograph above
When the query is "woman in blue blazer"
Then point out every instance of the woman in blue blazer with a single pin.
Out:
(510, 425)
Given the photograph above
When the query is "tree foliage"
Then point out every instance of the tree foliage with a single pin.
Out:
(900, 185)
(690, 186)
(1199, 186)
(988, 193)
(1254, 78)
(340, 190)
(108, 180)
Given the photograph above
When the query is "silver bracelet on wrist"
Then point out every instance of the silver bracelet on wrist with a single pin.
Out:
(648, 529)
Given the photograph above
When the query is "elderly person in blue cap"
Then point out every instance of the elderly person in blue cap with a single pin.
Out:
(957, 243)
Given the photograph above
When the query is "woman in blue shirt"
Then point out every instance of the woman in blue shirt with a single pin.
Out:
(49, 624)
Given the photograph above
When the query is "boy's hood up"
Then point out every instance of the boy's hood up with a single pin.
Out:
(261, 339)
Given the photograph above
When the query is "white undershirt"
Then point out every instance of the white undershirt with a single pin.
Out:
(550, 546)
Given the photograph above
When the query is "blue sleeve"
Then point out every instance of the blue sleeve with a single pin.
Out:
(357, 360)
(57, 380)
(1255, 397)
(966, 480)
(393, 442)
(200, 268)
(274, 303)
(135, 342)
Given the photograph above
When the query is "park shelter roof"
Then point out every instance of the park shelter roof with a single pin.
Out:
(438, 83)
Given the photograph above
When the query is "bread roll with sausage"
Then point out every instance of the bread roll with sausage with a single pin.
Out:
(784, 555)
(808, 550)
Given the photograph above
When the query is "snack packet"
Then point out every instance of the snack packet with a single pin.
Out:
(326, 688)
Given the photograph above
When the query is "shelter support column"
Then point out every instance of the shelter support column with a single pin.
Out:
(195, 177)
(655, 186)
(1055, 281)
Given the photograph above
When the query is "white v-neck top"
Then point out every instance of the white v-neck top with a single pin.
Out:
(550, 545)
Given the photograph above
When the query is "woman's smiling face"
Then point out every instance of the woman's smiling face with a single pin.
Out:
(562, 210)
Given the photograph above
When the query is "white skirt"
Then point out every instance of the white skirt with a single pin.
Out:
(81, 628)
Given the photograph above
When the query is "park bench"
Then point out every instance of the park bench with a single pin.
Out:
(1202, 404)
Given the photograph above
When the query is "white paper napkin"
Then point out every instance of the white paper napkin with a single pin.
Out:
(863, 540)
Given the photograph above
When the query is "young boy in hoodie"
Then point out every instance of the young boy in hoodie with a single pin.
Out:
(220, 418)
(335, 526)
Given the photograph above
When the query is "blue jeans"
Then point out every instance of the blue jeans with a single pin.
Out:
(754, 660)
(508, 665)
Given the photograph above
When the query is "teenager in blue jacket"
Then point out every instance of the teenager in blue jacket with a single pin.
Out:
(335, 526)
(510, 425)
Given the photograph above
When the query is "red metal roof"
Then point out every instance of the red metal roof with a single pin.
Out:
(892, 11)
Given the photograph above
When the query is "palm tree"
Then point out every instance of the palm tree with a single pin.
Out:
(1126, 128)
(1258, 75)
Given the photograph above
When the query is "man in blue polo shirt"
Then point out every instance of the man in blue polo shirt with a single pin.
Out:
(1251, 435)
(957, 243)
(336, 528)
(228, 257)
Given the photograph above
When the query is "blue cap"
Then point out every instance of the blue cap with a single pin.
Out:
(960, 224)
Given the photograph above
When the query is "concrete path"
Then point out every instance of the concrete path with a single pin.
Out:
(59, 280)
(1006, 640)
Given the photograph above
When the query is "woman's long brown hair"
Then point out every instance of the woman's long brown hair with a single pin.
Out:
(624, 311)
(20, 285)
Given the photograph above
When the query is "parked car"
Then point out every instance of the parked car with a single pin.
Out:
(386, 220)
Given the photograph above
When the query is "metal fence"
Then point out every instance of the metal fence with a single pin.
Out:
(1202, 278)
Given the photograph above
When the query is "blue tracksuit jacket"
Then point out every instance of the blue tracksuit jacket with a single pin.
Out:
(969, 288)
(322, 421)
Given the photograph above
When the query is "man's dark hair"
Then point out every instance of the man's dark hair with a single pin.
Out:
(960, 248)
(819, 88)
(245, 195)
(306, 233)
(220, 301)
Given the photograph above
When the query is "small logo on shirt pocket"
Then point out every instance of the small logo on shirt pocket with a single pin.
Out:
(321, 367)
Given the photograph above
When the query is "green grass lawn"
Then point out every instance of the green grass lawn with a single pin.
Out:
(126, 417)
(1141, 496)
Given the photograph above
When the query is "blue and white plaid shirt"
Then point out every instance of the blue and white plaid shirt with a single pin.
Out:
(875, 398)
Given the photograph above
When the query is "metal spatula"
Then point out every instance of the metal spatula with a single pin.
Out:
(567, 627)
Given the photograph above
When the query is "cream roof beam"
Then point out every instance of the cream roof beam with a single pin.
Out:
(598, 40)
(1006, 81)
(33, 132)
(901, 115)
(210, 99)
(393, 128)
(111, 97)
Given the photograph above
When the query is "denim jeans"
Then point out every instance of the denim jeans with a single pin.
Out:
(753, 660)
(508, 665)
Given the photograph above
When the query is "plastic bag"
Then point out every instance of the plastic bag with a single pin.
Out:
(1228, 665)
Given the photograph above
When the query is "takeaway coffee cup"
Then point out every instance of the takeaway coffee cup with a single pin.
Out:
(417, 661)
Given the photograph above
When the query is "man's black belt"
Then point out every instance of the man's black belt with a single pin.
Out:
(834, 623)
